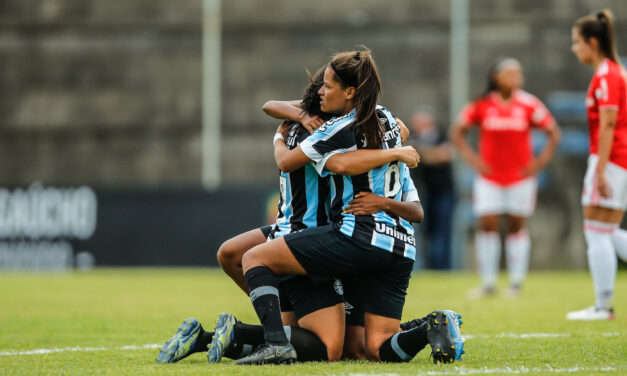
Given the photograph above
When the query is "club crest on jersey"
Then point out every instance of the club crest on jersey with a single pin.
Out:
(382, 228)
(337, 285)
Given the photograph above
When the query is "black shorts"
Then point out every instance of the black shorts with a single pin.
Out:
(301, 295)
(353, 304)
(326, 254)
(266, 230)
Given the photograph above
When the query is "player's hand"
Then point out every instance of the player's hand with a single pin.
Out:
(284, 129)
(532, 169)
(408, 155)
(604, 188)
(481, 167)
(311, 123)
(365, 203)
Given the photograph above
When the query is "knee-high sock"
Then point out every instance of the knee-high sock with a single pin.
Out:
(264, 294)
(488, 247)
(517, 247)
(619, 239)
(601, 260)
(403, 346)
(246, 337)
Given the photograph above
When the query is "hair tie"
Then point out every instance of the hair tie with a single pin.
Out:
(357, 55)
(601, 16)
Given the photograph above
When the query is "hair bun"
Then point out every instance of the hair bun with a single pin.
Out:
(601, 16)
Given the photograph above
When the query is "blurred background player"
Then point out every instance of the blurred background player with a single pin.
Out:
(605, 184)
(506, 167)
(435, 185)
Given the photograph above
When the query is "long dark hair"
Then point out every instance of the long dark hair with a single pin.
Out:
(495, 68)
(311, 99)
(358, 69)
(601, 27)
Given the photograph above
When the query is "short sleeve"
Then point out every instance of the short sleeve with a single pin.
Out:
(607, 93)
(540, 115)
(468, 115)
(333, 137)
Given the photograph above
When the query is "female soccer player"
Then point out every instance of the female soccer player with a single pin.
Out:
(506, 183)
(378, 246)
(302, 205)
(604, 193)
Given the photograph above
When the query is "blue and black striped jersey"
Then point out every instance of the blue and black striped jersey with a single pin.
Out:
(382, 229)
(303, 202)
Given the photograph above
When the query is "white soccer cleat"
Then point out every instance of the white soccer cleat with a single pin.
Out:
(591, 313)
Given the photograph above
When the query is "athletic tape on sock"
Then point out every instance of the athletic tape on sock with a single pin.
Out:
(397, 349)
(263, 290)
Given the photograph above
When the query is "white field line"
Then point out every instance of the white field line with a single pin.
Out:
(503, 370)
(157, 346)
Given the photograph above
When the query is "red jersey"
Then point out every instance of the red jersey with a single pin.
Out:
(608, 90)
(505, 132)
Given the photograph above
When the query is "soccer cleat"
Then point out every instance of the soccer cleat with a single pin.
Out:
(222, 338)
(453, 321)
(439, 337)
(181, 343)
(270, 354)
(413, 323)
(591, 314)
(513, 291)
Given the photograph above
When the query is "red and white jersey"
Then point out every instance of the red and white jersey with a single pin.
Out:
(505, 132)
(608, 90)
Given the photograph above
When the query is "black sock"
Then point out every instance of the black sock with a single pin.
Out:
(309, 348)
(413, 323)
(204, 339)
(245, 339)
(403, 346)
(264, 294)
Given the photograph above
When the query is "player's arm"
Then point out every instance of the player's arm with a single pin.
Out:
(291, 110)
(404, 130)
(361, 161)
(458, 136)
(366, 203)
(288, 160)
(546, 154)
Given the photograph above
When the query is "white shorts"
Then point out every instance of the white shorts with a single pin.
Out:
(616, 178)
(516, 199)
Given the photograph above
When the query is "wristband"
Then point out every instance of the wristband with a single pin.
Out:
(278, 136)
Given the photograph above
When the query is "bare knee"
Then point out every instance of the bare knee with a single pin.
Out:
(229, 255)
(489, 223)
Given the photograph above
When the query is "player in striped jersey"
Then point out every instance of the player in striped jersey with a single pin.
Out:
(378, 246)
(304, 194)
(604, 196)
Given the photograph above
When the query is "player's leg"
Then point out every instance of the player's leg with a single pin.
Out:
(520, 203)
(231, 252)
(355, 334)
(487, 206)
(619, 239)
(601, 218)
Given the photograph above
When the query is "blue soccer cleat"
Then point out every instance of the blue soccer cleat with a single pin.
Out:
(182, 343)
(453, 321)
(222, 338)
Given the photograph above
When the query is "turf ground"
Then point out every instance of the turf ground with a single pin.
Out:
(112, 321)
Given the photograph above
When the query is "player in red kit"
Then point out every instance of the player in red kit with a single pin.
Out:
(506, 169)
(604, 195)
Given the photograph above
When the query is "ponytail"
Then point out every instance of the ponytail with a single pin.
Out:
(601, 27)
(357, 69)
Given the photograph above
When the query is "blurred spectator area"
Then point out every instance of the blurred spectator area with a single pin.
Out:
(109, 92)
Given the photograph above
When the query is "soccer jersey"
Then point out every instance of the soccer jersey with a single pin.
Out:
(505, 132)
(303, 202)
(382, 230)
(608, 91)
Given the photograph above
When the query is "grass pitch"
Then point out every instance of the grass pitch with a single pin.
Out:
(110, 321)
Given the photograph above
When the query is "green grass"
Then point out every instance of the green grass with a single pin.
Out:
(110, 308)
